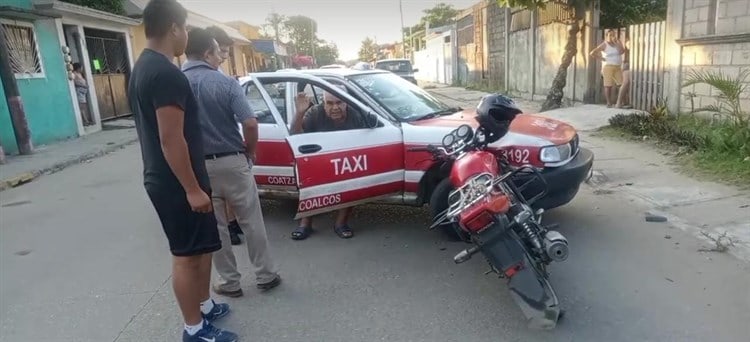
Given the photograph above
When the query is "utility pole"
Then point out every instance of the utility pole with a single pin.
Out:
(13, 97)
(312, 40)
(403, 34)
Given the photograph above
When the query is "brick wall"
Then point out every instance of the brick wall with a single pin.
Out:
(706, 17)
(718, 19)
(726, 58)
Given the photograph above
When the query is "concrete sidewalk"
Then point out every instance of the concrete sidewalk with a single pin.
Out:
(48, 159)
(585, 117)
(637, 172)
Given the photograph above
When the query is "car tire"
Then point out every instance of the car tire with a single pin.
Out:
(438, 204)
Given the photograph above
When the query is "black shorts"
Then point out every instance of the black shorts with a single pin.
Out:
(189, 233)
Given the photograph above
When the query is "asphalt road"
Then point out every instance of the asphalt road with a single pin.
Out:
(82, 259)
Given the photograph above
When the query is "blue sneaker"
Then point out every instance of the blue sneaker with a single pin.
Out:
(210, 333)
(220, 310)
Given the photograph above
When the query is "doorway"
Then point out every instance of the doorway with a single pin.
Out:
(82, 89)
(110, 67)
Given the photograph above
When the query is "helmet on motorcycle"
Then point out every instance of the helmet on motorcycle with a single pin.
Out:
(494, 114)
(498, 107)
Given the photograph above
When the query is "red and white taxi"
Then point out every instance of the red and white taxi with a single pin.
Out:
(330, 170)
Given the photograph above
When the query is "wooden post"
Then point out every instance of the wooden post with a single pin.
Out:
(15, 104)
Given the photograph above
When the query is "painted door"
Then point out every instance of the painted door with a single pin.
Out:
(340, 169)
(274, 166)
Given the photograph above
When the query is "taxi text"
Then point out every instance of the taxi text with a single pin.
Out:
(319, 202)
(281, 180)
(349, 164)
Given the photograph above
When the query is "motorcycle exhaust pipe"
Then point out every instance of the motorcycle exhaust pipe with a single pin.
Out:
(556, 246)
(465, 254)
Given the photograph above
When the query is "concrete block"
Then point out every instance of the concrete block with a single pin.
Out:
(691, 15)
(737, 8)
(703, 89)
(742, 25)
(703, 14)
(699, 29)
(700, 3)
(741, 57)
(745, 104)
(722, 57)
(688, 57)
(732, 71)
(725, 26)
(722, 9)
(703, 57)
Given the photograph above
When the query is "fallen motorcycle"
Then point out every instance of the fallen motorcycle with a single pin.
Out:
(488, 210)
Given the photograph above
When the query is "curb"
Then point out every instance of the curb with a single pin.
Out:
(26, 177)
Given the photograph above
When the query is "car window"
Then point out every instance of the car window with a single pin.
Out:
(258, 104)
(277, 92)
(394, 66)
(401, 98)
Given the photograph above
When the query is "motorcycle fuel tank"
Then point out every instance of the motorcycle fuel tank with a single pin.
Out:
(472, 164)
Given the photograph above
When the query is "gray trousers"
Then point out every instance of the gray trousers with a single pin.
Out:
(232, 183)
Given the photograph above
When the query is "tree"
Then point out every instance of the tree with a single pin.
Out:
(111, 6)
(326, 53)
(555, 95)
(368, 50)
(440, 15)
(301, 31)
(275, 26)
(619, 13)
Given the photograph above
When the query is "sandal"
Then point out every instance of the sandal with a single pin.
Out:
(301, 233)
(344, 231)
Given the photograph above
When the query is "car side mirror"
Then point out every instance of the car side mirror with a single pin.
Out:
(415, 70)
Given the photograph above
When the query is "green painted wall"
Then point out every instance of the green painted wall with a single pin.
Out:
(7, 139)
(47, 101)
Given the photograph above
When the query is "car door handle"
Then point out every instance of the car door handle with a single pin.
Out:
(309, 148)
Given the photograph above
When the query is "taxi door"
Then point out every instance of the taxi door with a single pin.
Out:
(341, 169)
(274, 165)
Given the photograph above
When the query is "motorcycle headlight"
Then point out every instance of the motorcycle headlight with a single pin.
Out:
(555, 154)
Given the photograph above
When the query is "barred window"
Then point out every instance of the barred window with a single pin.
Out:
(23, 50)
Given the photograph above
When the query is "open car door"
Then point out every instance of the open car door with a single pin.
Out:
(341, 169)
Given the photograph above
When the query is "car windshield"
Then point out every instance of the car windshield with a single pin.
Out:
(401, 98)
(394, 66)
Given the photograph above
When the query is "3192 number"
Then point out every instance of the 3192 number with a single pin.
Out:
(517, 156)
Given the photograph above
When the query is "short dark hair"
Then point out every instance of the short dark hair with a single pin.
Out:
(220, 35)
(76, 66)
(199, 42)
(159, 15)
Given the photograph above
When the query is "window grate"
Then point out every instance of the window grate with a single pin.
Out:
(22, 50)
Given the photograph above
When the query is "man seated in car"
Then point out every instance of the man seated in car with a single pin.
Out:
(332, 115)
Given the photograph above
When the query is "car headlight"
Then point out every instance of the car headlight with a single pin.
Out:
(555, 154)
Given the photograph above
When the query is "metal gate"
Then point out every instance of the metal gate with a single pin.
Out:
(110, 68)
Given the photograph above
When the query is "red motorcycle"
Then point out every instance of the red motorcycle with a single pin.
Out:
(488, 210)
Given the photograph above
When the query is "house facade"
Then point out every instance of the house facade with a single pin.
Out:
(237, 65)
(44, 38)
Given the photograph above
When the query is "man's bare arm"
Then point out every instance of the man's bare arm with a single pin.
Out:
(250, 132)
(170, 120)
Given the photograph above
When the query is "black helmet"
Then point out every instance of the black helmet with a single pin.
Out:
(494, 114)
(498, 107)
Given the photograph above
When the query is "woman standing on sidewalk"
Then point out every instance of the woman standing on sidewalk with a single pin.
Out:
(623, 99)
(610, 52)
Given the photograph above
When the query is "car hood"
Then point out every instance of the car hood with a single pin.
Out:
(549, 129)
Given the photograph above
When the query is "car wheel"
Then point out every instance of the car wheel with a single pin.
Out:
(438, 204)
